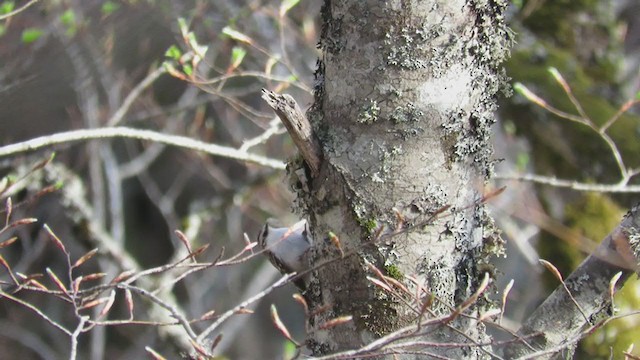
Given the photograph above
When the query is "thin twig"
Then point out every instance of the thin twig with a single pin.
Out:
(531, 96)
(243, 305)
(174, 312)
(253, 74)
(575, 185)
(567, 89)
(616, 155)
(623, 109)
(74, 337)
(558, 276)
(274, 128)
(18, 10)
(134, 94)
(583, 119)
(37, 311)
(124, 132)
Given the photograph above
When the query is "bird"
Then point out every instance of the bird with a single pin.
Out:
(287, 247)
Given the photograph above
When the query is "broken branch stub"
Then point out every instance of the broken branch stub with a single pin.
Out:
(298, 126)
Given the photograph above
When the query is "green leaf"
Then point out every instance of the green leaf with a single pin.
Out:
(187, 69)
(236, 35)
(168, 66)
(237, 55)
(522, 161)
(108, 7)
(518, 87)
(173, 52)
(290, 350)
(6, 7)
(287, 5)
(30, 35)
(68, 18)
(191, 38)
(182, 24)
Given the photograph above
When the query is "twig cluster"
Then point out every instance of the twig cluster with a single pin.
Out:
(83, 292)
(582, 118)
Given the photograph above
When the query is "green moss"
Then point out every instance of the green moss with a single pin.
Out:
(394, 272)
(563, 148)
(370, 225)
(616, 336)
(595, 215)
(551, 20)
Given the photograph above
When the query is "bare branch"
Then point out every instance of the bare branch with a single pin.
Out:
(74, 337)
(625, 173)
(35, 310)
(133, 95)
(274, 128)
(123, 132)
(575, 185)
(18, 10)
(174, 312)
(283, 280)
(558, 320)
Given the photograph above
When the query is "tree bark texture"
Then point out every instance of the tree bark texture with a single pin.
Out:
(404, 101)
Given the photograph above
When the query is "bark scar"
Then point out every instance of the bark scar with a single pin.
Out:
(298, 126)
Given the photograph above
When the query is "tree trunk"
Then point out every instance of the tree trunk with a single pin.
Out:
(404, 101)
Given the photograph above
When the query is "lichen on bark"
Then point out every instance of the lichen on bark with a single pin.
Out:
(391, 77)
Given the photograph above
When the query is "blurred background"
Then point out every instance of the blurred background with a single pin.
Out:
(75, 64)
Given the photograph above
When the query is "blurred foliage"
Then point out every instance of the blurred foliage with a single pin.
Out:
(618, 334)
(108, 7)
(30, 35)
(6, 7)
(588, 217)
(584, 41)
